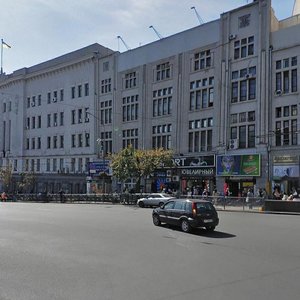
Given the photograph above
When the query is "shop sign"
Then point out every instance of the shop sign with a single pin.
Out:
(290, 171)
(196, 162)
(192, 172)
(238, 165)
(286, 159)
(99, 167)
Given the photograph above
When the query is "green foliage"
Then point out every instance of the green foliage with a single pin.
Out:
(132, 163)
(6, 177)
(27, 182)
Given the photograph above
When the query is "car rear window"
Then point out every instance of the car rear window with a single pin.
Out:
(204, 206)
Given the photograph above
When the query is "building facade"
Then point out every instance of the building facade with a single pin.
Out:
(223, 96)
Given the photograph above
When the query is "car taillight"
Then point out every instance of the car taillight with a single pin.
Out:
(194, 209)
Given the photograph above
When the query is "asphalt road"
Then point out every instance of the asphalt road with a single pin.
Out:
(89, 252)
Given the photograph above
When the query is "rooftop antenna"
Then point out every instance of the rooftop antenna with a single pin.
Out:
(126, 46)
(198, 16)
(157, 33)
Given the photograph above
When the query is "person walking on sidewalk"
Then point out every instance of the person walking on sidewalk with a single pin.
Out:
(3, 197)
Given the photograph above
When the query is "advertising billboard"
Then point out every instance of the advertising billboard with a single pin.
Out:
(238, 165)
(99, 167)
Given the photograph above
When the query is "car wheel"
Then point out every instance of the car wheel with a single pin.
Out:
(160, 204)
(185, 226)
(156, 220)
(141, 204)
(210, 228)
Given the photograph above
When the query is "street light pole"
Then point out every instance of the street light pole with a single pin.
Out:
(101, 144)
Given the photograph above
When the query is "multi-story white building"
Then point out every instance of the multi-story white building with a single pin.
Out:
(47, 119)
(222, 93)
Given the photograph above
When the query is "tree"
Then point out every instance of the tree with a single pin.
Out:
(138, 164)
(6, 177)
(27, 182)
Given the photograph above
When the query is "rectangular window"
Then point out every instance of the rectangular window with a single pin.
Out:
(278, 82)
(211, 97)
(73, 116)
(73, 140)
(55, 119)
(79, 115)
(61, 95)
(61, 118)
(80, 142)
(278, 64)
(286, 82)
(202, 60)
(251, 136)
(192, 100)
(286, 133)
(49, 120)
(233, 132)
(39, 143)
(87, 140)
(39, 125)
(294, 81)
(38, 165)
(72, 92)
(86, 89)
(55, 142)
(79, 88)
(233, 118)
(54, 165)
(294, 132)
(278, 134)
(61, 141)
(198, 99)
(234, 92)
(242, 137)
(252, 89)
(204, 99)
(278, 112)
(243, 90)
(48, 165)
(294, 110)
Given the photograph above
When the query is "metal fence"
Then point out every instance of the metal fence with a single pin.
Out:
(220, 202)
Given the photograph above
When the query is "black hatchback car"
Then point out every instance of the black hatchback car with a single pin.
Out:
(187, 213)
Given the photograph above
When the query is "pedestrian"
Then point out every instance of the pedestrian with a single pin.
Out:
(61, 196)
(248, 198)
(3, 197)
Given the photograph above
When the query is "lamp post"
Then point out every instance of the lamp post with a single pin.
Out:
(100, 151)
(101, 144)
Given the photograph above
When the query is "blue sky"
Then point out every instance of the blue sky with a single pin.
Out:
(39, 30)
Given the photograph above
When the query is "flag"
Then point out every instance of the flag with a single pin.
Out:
(5, 45)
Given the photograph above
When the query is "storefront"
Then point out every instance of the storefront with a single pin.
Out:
(194, 174)
(286, 173)
(238, 173)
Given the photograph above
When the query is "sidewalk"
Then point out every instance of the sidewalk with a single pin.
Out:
(256, 209)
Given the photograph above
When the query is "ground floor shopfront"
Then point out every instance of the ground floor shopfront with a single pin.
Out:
(208, 174)
(285, 173)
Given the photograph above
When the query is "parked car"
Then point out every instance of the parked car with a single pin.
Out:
(156, 199)
(187, 213)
